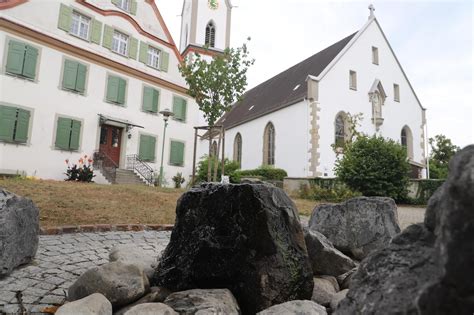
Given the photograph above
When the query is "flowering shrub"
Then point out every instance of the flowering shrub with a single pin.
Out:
(81, 172)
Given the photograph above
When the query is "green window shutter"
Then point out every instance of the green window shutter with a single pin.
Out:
(132, 51)
(179, 108)
(133, 7)
(65, 16)
(108, 35)
(148, 99)
(164, 61)
(29, 66)
(63, 133)
(151, 149)
(156, 100)
(70, 74)
(81, 78)
(116, 2)
(146, 151)
(177, 153)
(112, 89)
(121, 91)
(143, 147)
(143, 57)
(75, 134)
(22, 123)
(7, 122)
(15, 58)
(183, 109)
(96, 31)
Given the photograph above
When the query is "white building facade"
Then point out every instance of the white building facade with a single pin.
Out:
(298, 119)
(89, 77)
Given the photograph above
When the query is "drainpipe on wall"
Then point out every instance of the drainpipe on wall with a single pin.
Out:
(427, 157)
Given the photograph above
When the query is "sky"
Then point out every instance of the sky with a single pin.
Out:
(433, 41)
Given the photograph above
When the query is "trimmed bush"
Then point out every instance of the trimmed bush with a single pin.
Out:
(265, 172)
(376, 167)
(327, 189)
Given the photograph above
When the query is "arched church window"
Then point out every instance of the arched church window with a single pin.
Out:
(210, 34)
(406, 140)
(238, 149)
(269, 145)
(340, 131)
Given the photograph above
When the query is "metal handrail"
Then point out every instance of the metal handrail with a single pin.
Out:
(141, 167)
(105, 163)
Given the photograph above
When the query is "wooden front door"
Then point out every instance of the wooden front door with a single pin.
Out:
(110, 141)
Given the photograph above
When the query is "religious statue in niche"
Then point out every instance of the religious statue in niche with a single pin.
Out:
(377, 98)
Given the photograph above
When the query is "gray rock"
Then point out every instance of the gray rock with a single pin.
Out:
(427, 269)
(247, 238)
(324, 258)
(121, 284)
(344, 280)
(358, 226)
(130, 254)
(19, 228)
(200, 301)
(156, 295)
(337, 298)
(94, 304)
(325, 287)
(151, 309)
(296, 307)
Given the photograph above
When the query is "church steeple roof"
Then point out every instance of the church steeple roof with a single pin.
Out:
(284, 89)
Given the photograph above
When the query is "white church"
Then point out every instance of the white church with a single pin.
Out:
(100, 78)
(299, 119)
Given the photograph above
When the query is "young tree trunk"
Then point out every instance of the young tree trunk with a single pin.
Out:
(209, 160)
(216, 165)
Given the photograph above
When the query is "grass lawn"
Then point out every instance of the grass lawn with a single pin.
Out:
(68, 203)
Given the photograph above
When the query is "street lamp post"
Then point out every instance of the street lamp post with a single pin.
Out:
(166, 115)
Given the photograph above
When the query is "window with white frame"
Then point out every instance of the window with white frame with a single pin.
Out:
(153, 57)
(124, 5)
(375, 55)
(80, 25)
(352, 80)
(120, 43)
(396, 92)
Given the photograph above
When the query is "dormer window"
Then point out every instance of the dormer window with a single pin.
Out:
(210, 39)
(375, 55)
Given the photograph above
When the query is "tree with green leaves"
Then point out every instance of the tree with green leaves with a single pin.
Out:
(442, 150)
(217, 84)
(374, 166)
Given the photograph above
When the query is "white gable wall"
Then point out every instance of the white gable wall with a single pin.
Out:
(335, 96)
(291, 140)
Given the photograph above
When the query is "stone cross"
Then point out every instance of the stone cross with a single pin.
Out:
(371, 9)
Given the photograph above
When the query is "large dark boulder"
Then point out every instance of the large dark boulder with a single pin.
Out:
(427, 269)
(246, 238)
(19, 229)
(358, 226)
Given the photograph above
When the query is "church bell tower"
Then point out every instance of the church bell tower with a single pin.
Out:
(205, 23)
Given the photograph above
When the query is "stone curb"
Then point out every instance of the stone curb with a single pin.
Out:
(68, 229)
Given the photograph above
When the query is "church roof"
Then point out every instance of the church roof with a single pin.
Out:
(282, 90)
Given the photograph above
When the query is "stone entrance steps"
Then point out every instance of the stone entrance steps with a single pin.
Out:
(128, 177)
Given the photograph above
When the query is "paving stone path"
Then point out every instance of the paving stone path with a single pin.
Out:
(60, 260)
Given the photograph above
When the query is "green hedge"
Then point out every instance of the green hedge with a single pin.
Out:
(264, 172)
(327, 189)
(426, 188)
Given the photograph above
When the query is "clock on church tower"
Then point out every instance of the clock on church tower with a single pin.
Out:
(205, 24)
